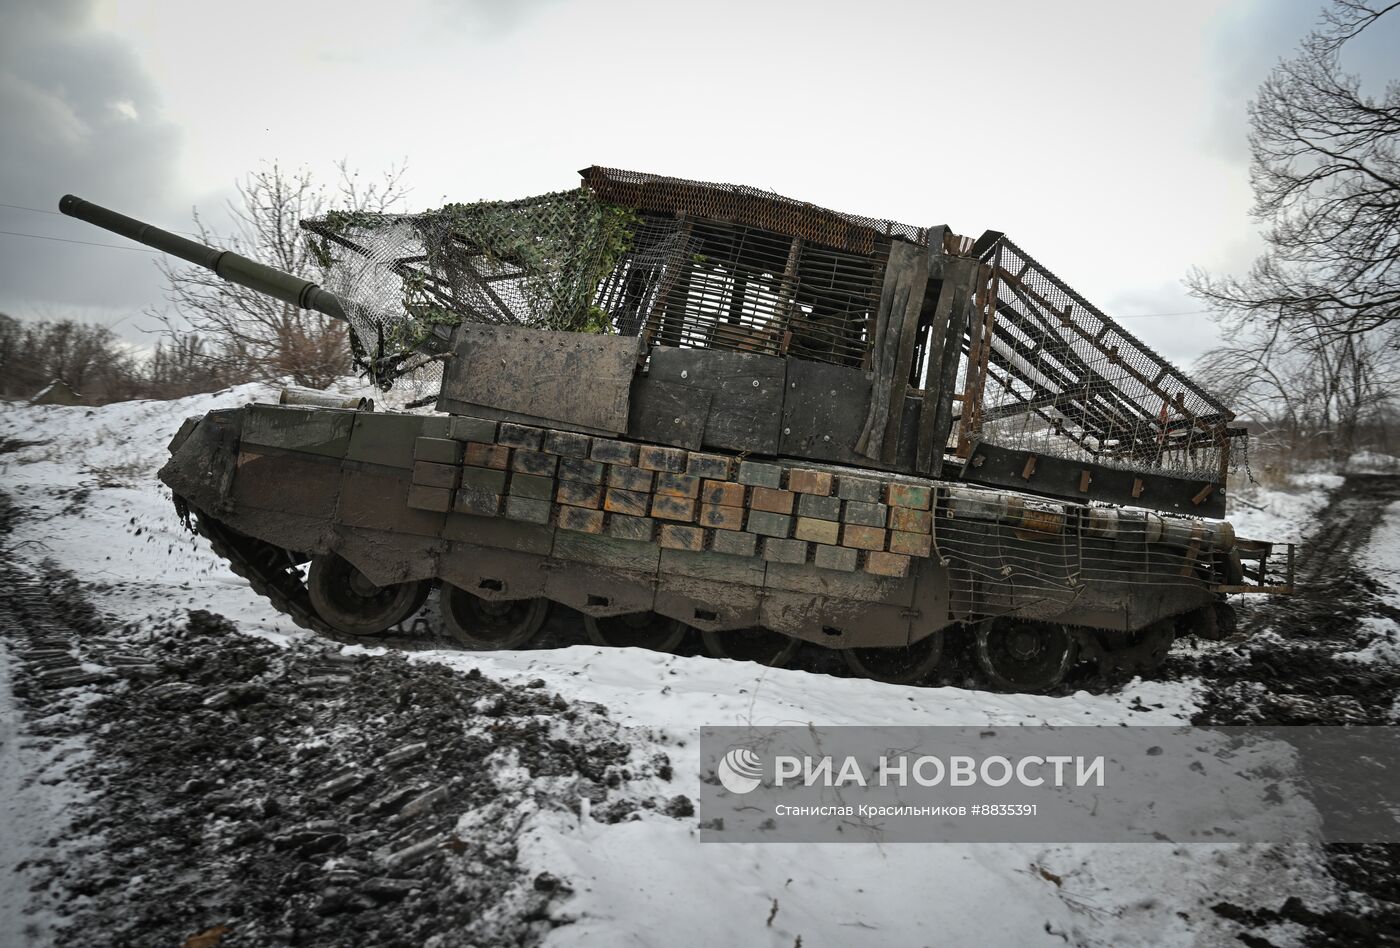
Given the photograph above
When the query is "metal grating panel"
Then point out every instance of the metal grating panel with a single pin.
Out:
(702, 284)
(1050, 373)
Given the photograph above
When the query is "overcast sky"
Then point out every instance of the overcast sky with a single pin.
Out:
(1106, 138)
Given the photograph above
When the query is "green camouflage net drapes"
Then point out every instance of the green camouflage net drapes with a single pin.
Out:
(405, 278)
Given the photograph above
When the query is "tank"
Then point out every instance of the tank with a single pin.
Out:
(688, 409)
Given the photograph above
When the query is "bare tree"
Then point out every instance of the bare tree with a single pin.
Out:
(1312, 330)
(89, 359)
(248, 335)
(1313, 391)
(178, 367)
(1325, 169)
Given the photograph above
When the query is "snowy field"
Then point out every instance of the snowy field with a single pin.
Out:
(85, 483)
(1281, 514)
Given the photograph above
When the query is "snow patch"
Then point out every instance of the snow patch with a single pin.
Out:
(1381, 558)
(38, 791)
(1372, 462)
(1281, 515)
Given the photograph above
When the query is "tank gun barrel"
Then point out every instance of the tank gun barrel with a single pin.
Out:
(231, 266)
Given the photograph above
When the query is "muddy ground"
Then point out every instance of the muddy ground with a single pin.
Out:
(243, 793)
(1294, 676)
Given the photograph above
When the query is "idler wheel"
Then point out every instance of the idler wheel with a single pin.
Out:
(347, 600)
(637, 630)
(1226, 619)
(479, 623)
(1214, 622)
(900, 665)
(752, 645)
(1019, 655)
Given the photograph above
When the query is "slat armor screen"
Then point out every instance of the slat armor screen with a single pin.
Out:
(1048, 372)
(702, 284)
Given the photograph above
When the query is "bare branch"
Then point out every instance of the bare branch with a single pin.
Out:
(251, 336)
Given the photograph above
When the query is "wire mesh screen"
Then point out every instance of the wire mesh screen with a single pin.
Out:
(534, 262)
(1048, 372)
(370, 285)
(1016, 553)
(703, 284)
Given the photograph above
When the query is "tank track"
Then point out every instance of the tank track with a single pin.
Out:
(280, 585)
(274, 576)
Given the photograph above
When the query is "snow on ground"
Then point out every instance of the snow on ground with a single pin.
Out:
(1372, 462)
(90, 501)
(35, 796)
(1381, 559)
(1281, 514)
(88, 487)
(645, 884)
(1382, 556)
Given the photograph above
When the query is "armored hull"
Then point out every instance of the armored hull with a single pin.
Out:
(648, 541)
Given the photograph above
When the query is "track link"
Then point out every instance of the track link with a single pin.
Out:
(281, 584)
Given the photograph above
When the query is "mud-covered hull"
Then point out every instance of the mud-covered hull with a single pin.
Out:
(608, 527)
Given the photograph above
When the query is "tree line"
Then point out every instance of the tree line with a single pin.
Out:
(99, 366)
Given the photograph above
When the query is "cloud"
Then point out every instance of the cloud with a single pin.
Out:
(80, 115)
(488, 18)
(1249, 42)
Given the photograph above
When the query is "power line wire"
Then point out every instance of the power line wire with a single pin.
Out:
(36, 210)
(86, 243)
(40, 210)
(1188, 312)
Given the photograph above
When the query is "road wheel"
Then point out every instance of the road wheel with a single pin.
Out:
(479, 623)
(349, 601)
(900, 665)
(637, 630)
(753, 645)
(1022, 656)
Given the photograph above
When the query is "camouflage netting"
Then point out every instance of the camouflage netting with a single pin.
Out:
(534, 262)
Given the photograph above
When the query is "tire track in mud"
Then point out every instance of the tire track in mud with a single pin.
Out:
(243, 793)
(1294, 674)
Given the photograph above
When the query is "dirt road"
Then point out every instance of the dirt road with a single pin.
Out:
(1294, 669)
(1288, 667)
